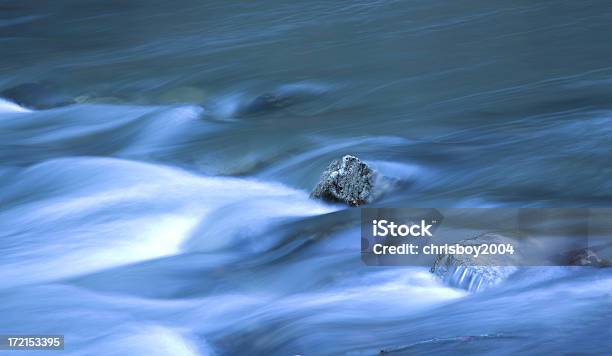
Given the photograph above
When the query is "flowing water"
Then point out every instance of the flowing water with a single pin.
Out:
(165, 210)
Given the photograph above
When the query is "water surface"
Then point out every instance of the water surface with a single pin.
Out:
(157, 214)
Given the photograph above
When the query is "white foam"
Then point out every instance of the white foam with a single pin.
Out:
(152, 340)
(9, 106)
(72, 216)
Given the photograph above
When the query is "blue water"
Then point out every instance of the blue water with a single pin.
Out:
(158, 213)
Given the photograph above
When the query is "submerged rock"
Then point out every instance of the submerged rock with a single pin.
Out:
(268, 102)
(37, 95)
(282, 97)
(348, 180)
(587, 257)
(474, 274)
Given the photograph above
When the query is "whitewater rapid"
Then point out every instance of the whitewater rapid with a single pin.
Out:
(103, 236)
(124, 254)
(159, 204)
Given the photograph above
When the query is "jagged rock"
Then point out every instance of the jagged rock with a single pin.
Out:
(348, 180)
(37, 95)
(282, 97)
(268, 102)
(587, 257)
(475, 274)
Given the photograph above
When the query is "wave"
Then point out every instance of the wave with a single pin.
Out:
(70, 216)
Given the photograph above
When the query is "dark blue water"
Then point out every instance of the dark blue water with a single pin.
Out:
(157, 208)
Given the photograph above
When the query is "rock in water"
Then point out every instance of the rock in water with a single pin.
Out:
(268, 102)
(475, 274)
(282, 97)
(37, 95)
(587, 257)
(348, 180)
